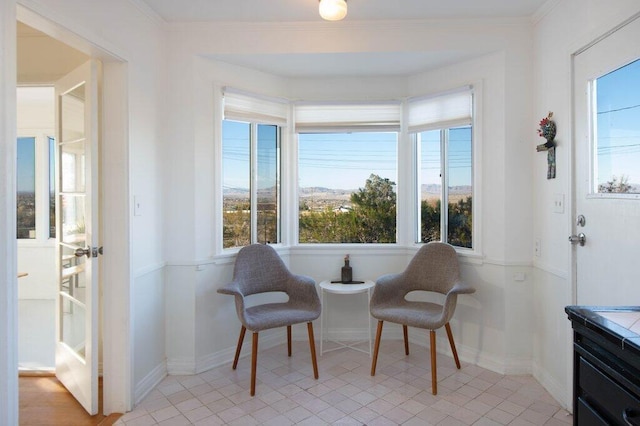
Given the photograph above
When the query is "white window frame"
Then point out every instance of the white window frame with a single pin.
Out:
(254, 109)
(41, 188)
(345, 117)
(475, 91)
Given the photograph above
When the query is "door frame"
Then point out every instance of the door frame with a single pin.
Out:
(116, 297)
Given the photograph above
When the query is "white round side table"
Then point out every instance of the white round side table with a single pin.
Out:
(338, 288)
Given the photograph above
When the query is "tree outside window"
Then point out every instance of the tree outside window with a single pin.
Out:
(346, 187)
(446, 171)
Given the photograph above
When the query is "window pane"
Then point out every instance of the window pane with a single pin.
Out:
(430, 186)
(347, 187)
(236, 183)
(618, 130)
(460, 189)
(268, 184)
(52, 187)
(26, 183)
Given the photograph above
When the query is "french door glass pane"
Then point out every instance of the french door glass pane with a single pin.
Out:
(617, 132)
(52, 187)
(73, 325)
(73, 163)
(73, 219)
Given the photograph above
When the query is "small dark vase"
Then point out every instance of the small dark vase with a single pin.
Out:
(347, 276)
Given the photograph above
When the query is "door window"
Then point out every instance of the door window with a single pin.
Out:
(616, 133)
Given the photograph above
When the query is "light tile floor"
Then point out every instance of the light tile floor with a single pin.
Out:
(346, 394)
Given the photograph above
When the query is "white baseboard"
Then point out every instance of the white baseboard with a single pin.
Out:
(149, 382)
(181, 366)
(225, 356)
(555, 388)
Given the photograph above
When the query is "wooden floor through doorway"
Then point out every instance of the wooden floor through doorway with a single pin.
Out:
(44, 401)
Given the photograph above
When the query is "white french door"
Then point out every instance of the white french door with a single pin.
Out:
(607, 169)
(77, 234)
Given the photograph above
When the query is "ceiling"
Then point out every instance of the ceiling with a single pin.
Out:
(364, 64)
(359, 10)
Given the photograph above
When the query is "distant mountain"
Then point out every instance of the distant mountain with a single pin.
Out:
(318, 190)
(321, 191)
(435, 189)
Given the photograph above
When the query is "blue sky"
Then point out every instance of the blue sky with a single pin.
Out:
(344, 161)
(26, 165)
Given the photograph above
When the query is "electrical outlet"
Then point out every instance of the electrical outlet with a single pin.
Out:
(537, 249)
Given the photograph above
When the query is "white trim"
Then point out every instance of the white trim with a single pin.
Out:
(557, 391)
(8, 249)
(322, 27)
(143, 7)
(182, 366)
(150, 269)
(544, 10)
(225, 356)
(149, 382)
(59, 27)
(543, 266)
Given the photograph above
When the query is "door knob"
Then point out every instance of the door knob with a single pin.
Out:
(578, 239)
(83, 252)
(89, 251)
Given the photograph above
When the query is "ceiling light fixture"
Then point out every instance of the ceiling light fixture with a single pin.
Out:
(333, 10)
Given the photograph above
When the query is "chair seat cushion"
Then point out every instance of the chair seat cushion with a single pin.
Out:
(272, 315)
(415, 314)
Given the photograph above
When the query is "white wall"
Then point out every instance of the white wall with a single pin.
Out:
(491, 327)
(561, 29)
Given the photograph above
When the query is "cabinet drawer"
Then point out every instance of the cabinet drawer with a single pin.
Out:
(611, 401)
(587, 416)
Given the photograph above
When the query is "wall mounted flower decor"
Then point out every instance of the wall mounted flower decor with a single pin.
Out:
(547, 130)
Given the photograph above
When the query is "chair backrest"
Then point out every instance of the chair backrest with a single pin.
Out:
(259, 269)
(433, 268)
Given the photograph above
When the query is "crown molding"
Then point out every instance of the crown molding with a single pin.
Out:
(381, 25)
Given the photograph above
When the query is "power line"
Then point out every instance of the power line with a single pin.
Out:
(618, 109)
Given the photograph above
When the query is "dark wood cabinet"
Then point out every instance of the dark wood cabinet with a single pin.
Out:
(606, 365)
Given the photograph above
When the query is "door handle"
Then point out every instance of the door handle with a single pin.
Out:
(89, 251)
(578, 239)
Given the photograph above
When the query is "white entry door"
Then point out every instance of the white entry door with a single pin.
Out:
(607, 169)
(77, 234)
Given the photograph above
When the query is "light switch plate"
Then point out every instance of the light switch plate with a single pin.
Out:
(137, 206)
(558, 203)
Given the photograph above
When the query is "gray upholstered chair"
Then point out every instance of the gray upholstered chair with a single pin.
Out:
(259, 269)
(434, 268)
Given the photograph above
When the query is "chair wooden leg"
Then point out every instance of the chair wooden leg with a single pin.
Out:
(453, 345)
(374, 361)
(406, 339)
(289, 340)
(312, 347)
(239, 348)
(434, 374)
(254, 362)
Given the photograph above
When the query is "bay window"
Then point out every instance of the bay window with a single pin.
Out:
(347, 169)
(251, 139)
(442, 130)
